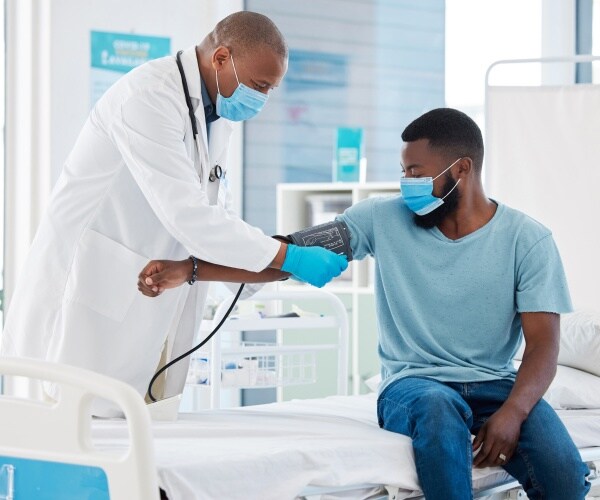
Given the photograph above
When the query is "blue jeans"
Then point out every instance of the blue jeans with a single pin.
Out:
(440, 418)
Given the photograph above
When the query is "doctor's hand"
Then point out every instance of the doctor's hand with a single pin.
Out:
(158, 275)
(314, 265)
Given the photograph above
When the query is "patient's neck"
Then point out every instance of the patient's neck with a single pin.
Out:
(474, 211)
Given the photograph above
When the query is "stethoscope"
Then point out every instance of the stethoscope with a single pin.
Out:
(216, 172)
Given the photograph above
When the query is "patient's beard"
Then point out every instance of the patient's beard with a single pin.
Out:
(449, 206)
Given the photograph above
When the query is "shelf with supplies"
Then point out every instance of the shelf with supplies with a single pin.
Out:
(230, 362)
(302, 205)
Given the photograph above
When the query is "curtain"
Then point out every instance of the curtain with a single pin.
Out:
(543, 158)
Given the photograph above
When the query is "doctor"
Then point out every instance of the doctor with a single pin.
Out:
(146, 178)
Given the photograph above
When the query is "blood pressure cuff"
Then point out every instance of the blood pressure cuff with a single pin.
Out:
(334, 236)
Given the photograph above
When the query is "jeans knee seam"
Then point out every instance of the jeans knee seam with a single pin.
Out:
(399, 405)
(470, 464)
(530, 472)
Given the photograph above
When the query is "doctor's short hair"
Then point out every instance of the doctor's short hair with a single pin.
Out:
(450, 132)
(246, 31)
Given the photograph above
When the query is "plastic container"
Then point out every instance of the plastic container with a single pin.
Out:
(325, 207)
(348, 162)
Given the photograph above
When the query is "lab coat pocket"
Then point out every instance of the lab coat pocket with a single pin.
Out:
(103, 275)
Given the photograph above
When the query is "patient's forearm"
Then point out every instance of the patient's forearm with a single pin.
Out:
(535, 374)
(542, 341)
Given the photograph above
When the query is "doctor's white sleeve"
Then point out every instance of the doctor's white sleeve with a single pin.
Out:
(249, 288)
(149, 134)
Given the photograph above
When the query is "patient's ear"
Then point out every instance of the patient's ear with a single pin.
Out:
(465, 167)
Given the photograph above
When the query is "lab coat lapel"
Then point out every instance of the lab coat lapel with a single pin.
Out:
(203, 136)
(192, 73)
(211, 153)
(220, 132)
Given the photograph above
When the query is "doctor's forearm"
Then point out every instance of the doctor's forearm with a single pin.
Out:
(277, 262)
(160, 275)
(214, 272)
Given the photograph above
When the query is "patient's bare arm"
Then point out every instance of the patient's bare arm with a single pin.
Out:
(499, 436)
(159, 275)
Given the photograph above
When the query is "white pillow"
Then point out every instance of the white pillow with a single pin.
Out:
(373, 382)
(579, 341)
(570, 389)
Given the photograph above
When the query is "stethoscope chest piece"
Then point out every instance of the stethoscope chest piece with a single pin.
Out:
(216, 173)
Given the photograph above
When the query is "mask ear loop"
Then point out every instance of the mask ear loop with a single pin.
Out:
(446, 170)
(234, 72)
(217, 78)
(444, 197)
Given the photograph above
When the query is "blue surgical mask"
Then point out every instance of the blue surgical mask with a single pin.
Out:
(243, 104)
(417, 192)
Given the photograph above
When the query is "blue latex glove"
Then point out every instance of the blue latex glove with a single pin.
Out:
(314, 265)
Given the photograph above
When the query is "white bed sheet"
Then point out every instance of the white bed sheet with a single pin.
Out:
(583, 426)
(275, 451)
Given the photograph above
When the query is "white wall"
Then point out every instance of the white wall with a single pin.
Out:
(186, 22)
(70, 24)
(48, 91)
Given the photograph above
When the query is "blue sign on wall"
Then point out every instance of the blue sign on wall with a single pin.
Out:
(114, 54)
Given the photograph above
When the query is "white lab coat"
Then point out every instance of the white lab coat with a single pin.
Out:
(134, 188)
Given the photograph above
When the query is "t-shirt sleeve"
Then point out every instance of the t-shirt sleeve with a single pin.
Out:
(541, 281)
(359, 219)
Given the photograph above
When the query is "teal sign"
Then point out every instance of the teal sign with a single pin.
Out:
(122, 52)
(114, 54)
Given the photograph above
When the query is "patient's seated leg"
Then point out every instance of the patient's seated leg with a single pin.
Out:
(438, 420)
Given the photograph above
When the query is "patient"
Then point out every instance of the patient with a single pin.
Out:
(459, 276)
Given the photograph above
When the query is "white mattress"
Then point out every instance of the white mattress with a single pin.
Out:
(275, 451)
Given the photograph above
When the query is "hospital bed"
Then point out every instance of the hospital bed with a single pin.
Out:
(320, 448)
(312, 449)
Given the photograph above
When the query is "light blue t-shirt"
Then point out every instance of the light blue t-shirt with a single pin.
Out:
(449, 309)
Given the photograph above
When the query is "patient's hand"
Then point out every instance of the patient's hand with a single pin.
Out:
(158, 275)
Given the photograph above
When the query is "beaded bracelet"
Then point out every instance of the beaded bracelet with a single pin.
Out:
(194, 270)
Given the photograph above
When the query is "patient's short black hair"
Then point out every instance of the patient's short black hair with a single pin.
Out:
(450, 132)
